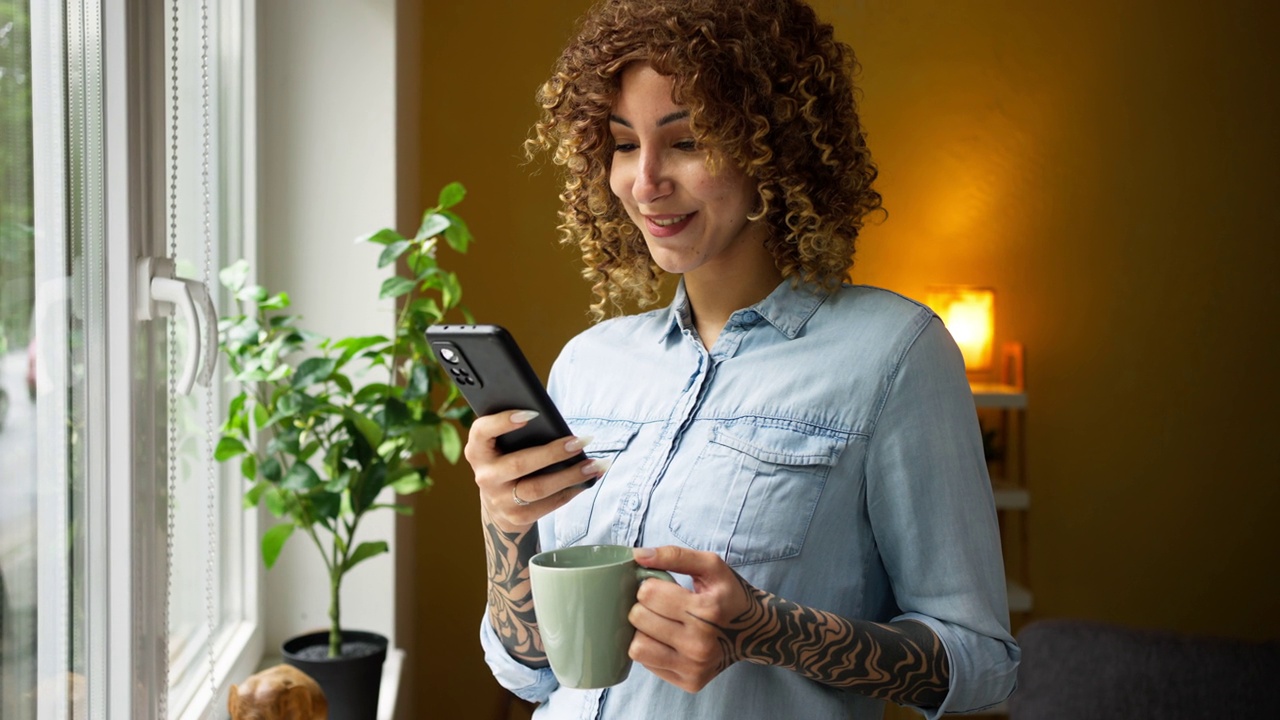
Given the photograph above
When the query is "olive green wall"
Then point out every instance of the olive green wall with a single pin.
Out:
(1107, 169)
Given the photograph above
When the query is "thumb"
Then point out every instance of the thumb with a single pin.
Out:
(674, 558)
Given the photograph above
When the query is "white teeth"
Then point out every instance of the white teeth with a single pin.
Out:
(670, 221)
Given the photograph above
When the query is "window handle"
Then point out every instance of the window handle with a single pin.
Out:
(159, 292)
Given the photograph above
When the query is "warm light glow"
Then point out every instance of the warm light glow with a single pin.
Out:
(969, 313)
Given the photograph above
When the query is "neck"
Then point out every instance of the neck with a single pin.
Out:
(713, 299)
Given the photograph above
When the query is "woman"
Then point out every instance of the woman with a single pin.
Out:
(805, 453)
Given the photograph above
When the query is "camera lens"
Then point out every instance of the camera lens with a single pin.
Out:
(450, 355)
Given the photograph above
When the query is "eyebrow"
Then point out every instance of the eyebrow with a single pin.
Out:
(664, 120)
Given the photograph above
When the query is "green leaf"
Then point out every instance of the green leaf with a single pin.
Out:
(458, 235)
(368, 428)
(395, 507)
(419, 383)
(228, 447)
(234, 275)
(394, 287)
(427, 306)
(452, 194)
(275, 302)
(408, 483)
(450, 291)
(249, 467)
(368, 487)
(301, 477)
(340, 483)
(433, 223)
(275, 501)
(260, 416)
(236, 404)
(327, 505)
(352, 345)
(450, 443)
(425, 438)
(385, 236)
(251, 293)
(314, 370)
(271, 470)
(342, 381)
(373, 392)
(393, 251)
(308, 450)
(254, 494)
(363, 552)
(273, 542)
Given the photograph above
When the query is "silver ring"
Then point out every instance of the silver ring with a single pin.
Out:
(516, 497)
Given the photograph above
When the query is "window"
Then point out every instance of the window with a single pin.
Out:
(87, 428)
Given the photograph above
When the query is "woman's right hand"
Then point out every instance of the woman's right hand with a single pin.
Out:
(502, 479)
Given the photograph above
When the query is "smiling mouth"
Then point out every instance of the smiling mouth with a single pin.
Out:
(668, 222)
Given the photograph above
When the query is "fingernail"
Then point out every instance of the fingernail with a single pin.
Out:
(521, 417)
(596, 467)
(577, 443)
(643, 553)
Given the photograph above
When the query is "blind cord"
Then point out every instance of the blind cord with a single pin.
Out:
(171, 345)
(211, 472)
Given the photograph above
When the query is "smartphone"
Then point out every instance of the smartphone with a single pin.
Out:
(493, 375)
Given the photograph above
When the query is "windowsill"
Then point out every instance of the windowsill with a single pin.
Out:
(388, 692)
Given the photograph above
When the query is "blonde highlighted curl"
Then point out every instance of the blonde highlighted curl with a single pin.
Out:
(766, 84)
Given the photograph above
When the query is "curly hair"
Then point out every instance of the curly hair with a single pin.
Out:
(768, 87)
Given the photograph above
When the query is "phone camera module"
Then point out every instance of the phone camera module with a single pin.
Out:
(450, 355)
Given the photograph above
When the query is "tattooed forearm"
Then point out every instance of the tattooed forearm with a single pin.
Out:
(901, 662)
(510, 596)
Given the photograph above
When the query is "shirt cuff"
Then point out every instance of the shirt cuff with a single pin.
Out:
(983, 669)
(532, 684)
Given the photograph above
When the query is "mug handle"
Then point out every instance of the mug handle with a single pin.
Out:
(644, 573)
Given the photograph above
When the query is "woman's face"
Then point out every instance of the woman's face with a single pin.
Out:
(693, 221)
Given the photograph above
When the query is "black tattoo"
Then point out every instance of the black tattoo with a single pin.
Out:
(901, 662)
(510, 595)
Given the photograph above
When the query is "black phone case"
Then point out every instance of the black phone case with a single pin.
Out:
(493, 375)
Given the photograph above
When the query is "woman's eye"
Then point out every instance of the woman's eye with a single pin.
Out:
(624, 147)
(689, 145)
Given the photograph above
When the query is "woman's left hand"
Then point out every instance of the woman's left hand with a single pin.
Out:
(688, 638)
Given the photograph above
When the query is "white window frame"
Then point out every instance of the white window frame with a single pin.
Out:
(114, 106)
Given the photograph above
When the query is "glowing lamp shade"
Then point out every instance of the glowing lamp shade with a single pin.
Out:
(969, 313)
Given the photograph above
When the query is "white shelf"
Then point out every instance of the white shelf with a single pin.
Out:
(1011, 498)
(389, 693)
(1020, 599)
(997, 395)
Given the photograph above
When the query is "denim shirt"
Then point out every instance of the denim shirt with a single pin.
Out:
(827, 448)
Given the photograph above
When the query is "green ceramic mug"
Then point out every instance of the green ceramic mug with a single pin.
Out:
(581, 596)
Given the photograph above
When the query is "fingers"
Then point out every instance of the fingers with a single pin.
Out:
(512, 498)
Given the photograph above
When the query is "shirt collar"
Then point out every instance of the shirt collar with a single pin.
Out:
(787, 309)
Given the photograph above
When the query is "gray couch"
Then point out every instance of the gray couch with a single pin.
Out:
(1081, 670)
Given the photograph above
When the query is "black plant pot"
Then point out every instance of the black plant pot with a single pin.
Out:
(350, 682)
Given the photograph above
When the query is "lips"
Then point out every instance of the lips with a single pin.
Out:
(667, 225)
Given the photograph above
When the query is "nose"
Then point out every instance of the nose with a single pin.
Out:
(652, 182)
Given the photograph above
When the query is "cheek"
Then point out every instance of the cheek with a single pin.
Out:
(618, 184)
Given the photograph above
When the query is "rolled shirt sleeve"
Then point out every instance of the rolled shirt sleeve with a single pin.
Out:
(532, 684)
(932, 512)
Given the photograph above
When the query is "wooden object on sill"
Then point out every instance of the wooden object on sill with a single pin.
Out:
(282, 692)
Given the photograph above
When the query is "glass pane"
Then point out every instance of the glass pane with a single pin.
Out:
(42, 344)
(17, 390)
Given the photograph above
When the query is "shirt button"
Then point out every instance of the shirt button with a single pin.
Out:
(631, 502)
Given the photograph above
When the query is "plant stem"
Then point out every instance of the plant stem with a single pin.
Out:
(335, 630)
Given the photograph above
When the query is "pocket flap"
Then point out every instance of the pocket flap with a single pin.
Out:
(782, 444)
(607, 436)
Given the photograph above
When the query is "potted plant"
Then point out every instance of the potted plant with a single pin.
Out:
(322, 426)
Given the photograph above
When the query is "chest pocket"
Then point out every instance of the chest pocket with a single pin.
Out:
(608, 439)
(753, 490)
